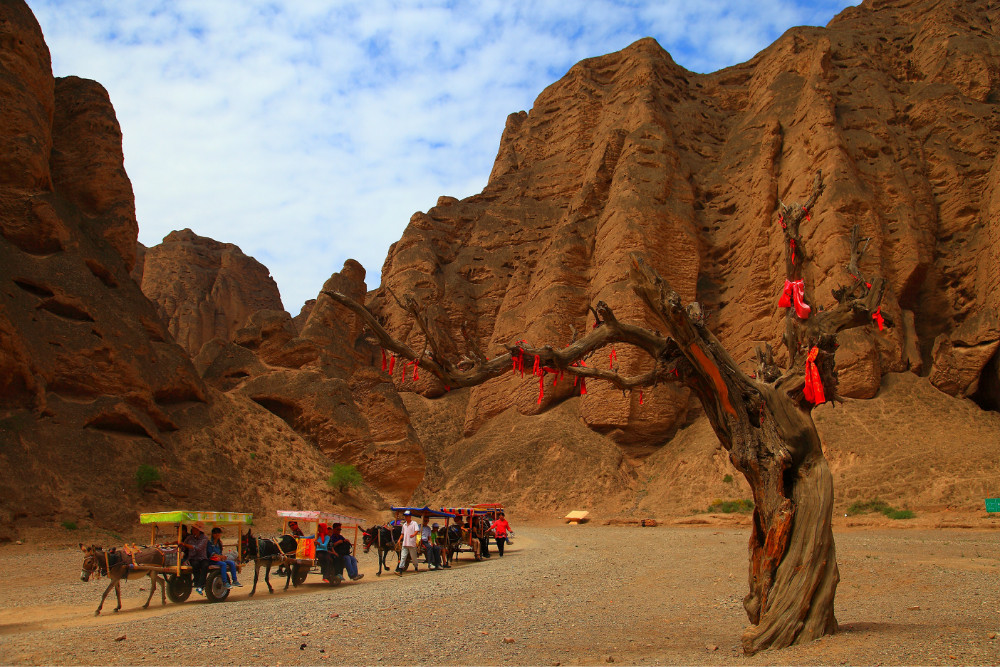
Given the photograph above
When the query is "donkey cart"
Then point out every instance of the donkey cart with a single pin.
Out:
(179, 576)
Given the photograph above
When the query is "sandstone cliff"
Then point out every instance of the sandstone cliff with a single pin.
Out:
(92, 384)
(896, 102)
(205, 289)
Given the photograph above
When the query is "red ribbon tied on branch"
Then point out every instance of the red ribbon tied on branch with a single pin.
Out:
(640, 397)
(583, 381)
(879, 320)
(383, 358)
(612, 358)
(392, 363)
(813, 389)
(807, 213)
(517, 359)
(791, 244)
(794, 294)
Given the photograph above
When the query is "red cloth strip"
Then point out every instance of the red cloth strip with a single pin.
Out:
(807, 213)
(813, 389)
(640, 397)
(794, 294)
(383, 358)
(877, 316)
(612, 358)
(392, 363)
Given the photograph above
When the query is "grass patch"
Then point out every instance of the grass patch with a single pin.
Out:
(69, 525)
(741, 506)
(146, 475)
(879, 506)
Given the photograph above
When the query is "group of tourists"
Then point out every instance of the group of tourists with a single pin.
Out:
(333, 551)
(202, 552)
(480, 530)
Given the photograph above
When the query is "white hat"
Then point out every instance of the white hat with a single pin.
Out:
(406, 513)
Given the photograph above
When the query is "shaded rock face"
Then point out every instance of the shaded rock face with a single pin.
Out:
(895, 101)
(92, 384)
(205, 289)
(318, 375)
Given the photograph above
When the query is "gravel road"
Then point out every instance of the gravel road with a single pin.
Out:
(562, 595)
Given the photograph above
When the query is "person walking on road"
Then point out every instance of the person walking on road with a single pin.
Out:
(501, 530)
(407, 543)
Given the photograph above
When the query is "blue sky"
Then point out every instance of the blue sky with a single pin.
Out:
(308, 132)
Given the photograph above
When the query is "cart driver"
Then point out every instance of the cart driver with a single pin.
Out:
(197, 546)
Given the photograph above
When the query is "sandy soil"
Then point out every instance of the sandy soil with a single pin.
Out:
(562, 595)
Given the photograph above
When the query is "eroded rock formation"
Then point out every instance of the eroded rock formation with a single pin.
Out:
(323, 381)
(895, 101)
(205, 289)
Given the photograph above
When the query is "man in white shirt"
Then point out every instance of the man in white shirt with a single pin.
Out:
(408, 539)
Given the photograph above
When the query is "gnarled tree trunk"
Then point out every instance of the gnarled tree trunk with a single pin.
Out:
(763, 420)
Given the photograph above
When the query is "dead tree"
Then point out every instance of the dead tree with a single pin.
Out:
(763, 419)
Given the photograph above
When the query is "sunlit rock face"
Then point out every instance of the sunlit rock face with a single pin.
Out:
(629, 152)
(205, 289)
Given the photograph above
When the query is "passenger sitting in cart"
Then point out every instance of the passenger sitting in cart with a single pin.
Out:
(342, 547)
(216, 554)
(197, 546)
(327, 564)
(293, 528)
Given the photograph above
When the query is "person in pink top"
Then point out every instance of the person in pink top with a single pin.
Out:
(408, 539)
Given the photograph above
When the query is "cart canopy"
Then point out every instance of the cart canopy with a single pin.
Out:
(318, 516)
(465, 511)
(187, 516)
(420, 511)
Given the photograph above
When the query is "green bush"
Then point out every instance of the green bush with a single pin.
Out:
(728, 479)
(146, 475)
(343, 477)
(741, 506)
(69, 525)
(879, 506)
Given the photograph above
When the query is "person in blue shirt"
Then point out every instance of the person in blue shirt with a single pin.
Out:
(214, 551)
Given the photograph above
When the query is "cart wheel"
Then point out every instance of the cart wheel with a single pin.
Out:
(178, 587)
(215, 587)
(299, 574)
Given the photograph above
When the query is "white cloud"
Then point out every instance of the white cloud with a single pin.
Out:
(307, 133)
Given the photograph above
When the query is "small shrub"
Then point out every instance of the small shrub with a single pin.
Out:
(253, 456)
(146, 475)
(343, 477)
(69, 525)
(879, 506)
(728, 479)
(741, 506)
(867, 506)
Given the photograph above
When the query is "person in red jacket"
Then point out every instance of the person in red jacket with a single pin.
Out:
(501, 529)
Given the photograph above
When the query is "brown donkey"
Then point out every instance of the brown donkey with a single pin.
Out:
(118, 565)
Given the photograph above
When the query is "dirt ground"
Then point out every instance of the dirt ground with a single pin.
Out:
(589, 594)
